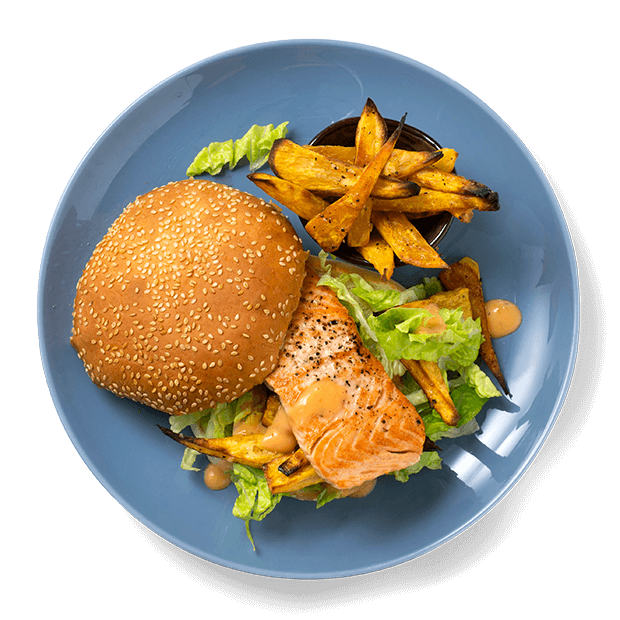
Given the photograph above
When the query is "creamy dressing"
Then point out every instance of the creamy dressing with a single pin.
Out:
(279, 435)
(324, 398)
(245, 427)
(503, 317)
(434, 324)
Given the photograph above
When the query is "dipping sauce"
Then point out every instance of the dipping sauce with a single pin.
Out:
(503, 317)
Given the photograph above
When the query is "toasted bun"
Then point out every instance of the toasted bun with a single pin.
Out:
(186, 300)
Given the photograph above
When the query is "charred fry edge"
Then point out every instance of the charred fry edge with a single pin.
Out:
(293, 463)
(280, 483)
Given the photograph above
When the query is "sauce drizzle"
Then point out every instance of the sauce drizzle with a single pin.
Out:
(324, 398)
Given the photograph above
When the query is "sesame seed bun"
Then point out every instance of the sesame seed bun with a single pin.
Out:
(186, 300)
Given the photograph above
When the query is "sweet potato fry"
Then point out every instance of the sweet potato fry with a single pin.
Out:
(328, 176)
(429, 377)
(446, 163)
(271, 408)
(345, 154)
(370, 134)
(281, 483)
(243, 449)
(428, 374)
(379, 254)
(401, 163)
(330, 227)
(294, 197)
(430, 201)
(405, 239)
(359, 233)
(466, 273)
(431, 177)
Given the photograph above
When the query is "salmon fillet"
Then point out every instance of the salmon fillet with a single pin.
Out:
(369, 428)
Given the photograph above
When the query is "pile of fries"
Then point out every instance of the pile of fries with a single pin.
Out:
(369, 195)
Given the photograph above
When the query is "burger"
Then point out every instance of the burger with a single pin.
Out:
(201, 302)
(186, 301)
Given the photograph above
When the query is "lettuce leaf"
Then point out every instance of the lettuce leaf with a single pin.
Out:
(255, 500)
(475, 377)
(457, 346)
(360, 311)
(467, 402)
(391, 334)
(430, 460)
(255, 145)
(180, 422)
(380, 299)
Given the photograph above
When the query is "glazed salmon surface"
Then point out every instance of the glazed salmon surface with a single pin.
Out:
(368, 428)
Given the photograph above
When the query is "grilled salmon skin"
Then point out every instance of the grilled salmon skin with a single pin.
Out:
(347, 415)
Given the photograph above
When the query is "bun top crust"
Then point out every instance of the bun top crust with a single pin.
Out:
(186, 300)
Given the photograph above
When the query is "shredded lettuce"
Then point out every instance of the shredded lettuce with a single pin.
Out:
(457, 346)
(380, 299)
(254, 145)
(180, 422)
(391, 335)
(469, 392)
(255, 500)
(475, 377)
(430, 460)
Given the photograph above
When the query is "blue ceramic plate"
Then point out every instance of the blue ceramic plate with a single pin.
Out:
(524, 251)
